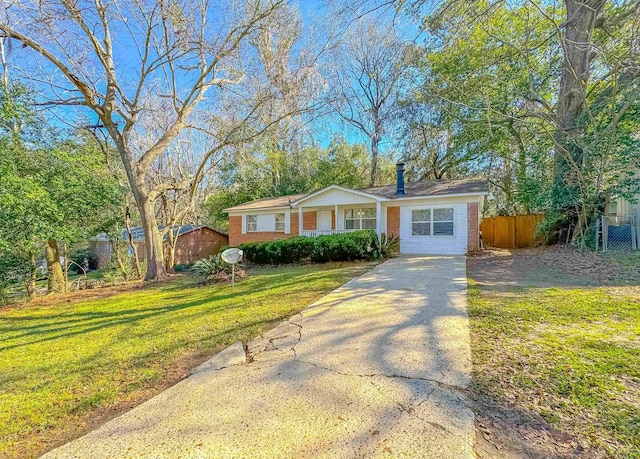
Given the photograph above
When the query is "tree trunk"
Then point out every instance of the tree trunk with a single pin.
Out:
(134, 248)
(172, 240)
(31, 280)
(65, 268)
(375, 141)
(580, 23)
(171, 257)
(115, 243)
(54, 269)
(156, 270)
(577, 47)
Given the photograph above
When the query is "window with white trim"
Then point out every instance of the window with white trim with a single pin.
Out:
(280, 222)
(421, 222)
(252, 223)
(432, 222)
(360, 218)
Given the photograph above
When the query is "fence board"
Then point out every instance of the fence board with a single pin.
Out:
(510, 232)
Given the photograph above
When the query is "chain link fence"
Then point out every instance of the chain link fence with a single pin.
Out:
(617, 232)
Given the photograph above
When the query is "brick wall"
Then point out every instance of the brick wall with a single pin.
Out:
(198, 244)
(393, 221)
(236, 237)
(309, 220)
(473, 240)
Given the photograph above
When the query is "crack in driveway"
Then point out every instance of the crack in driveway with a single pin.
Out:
(391, 350)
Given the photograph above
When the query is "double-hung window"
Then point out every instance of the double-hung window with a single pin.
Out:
(432, 222)
(252, 223)
(360, 219)
(421, 222)
(280, 223)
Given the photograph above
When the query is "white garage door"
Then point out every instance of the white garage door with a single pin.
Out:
(438, 230)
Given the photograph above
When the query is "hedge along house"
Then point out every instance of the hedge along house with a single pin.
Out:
(193, 243)
(429, 217)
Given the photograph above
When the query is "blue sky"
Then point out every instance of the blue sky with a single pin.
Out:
(126, 53)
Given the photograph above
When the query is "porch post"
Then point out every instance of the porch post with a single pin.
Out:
(336, 218)
(299, 221)
(378, 219)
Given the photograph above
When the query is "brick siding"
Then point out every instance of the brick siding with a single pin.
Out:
(236, 237)
(309, 220)
(393, 221)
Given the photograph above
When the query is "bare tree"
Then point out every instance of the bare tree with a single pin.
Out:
(364, 79)
(178, 165)
(115, 57)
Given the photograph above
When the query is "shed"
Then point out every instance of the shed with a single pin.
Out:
(194, 243)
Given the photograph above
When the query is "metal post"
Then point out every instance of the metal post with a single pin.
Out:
(233, 275)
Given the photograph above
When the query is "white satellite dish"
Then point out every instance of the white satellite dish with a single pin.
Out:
(232, 256)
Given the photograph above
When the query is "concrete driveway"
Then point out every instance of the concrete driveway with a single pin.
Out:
(376, 368)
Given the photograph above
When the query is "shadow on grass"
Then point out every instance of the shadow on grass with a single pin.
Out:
(90, 321)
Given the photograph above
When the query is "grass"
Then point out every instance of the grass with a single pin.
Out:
(17, 293)
(569, 355)
(61, 364)
(626, 265)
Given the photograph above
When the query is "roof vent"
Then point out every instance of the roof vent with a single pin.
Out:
(400, 178)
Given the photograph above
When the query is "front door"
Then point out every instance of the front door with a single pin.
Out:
(324, 220)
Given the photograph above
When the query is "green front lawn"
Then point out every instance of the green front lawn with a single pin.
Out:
(569, 355)
(61, 364)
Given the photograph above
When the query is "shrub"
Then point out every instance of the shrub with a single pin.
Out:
(181, 268)
(112, 277)
(389, 245)
(209, 268)
(85, 258)
(358, 245)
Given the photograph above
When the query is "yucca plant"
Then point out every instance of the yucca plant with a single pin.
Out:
(208, 268)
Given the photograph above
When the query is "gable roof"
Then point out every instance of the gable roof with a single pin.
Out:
(267, 203)
(424, 188)
(137, 233)
(337, 187)
(431, 188)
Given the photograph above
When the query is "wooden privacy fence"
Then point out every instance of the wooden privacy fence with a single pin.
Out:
(510, 232)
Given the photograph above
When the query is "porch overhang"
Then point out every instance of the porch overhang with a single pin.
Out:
(312, 200)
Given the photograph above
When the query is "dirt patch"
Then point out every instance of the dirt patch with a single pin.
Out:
(557, 266)
(504, 430)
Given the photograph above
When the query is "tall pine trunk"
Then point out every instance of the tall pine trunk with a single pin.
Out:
(54, 268)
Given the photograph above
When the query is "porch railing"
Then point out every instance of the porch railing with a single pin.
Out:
(316, 233)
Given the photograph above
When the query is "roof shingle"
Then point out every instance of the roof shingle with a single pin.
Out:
(412, 189)
(279, 201)
(431, 188)
(137, 233)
